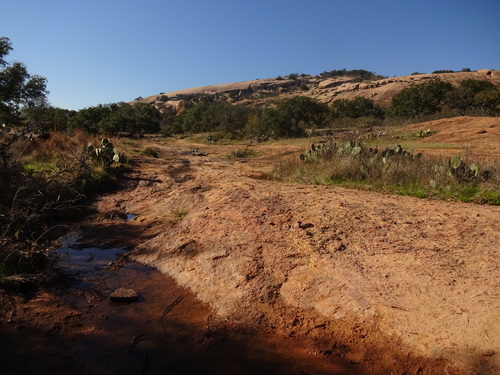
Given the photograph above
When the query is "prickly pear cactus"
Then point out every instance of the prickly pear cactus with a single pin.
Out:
(105, 153)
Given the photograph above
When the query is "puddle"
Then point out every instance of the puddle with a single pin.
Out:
(85, 259)
(88, 259)
(168, 330)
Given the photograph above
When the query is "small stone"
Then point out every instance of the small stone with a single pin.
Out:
(124, 295)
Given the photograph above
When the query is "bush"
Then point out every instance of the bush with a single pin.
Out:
(420, 99)
(358, 107)
(443, 71)
(138, 118)
(358, 74)
(208, 116)
(292, 117)
(473, 97)
(150, 151)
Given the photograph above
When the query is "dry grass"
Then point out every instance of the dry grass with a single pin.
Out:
(39, 179)
(241, 153)
(429, 177)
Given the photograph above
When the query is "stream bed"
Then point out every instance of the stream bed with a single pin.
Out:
(77, 329)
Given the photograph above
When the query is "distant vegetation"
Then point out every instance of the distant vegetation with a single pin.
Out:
(472, 97)
(290, 117)
(420, 100)
(298, 116)
(358, 107)
(451, 71)
(358, 74)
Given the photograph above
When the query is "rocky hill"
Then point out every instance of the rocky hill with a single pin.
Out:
(326, 90)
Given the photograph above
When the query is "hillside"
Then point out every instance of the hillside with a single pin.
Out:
(322, 89)
(478, 135)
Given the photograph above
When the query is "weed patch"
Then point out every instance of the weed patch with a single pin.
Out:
(177, 216)
(394, 170)
(150, 151)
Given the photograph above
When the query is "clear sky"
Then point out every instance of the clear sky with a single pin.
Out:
(104, 51)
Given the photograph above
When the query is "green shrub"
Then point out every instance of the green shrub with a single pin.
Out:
(357, 107)
(207, 116)
(443, 71)
(150, 151)
(420, 99)
(358, 74)
(292, 117)
(177, 216)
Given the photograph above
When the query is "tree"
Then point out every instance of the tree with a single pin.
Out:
(471, 96)
(118, 117)
(358, 74)
(18, 89)
(488, 101)
(358, 107)
(442, 71)
(420, 99)
(145, 118)
(208, 116)
(89, 118)
(293, 116)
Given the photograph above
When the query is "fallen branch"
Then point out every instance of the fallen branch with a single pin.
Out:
(168, 309)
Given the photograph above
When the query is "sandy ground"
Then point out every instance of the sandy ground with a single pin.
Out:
(389, 284)
(415, 274)
(478, 136)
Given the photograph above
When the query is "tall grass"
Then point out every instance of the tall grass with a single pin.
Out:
(423, 177)
(40, 179)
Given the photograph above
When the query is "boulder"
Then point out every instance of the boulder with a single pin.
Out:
(332, 82)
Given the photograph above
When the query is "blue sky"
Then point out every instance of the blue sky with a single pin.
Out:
(95, 52)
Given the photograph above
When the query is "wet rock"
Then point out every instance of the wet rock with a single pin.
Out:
(124, 295)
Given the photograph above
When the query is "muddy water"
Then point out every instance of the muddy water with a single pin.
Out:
(168, 331)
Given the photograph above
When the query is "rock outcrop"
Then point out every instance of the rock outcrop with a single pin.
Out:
(324, 89)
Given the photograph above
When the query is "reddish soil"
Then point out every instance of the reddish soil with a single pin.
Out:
(478, 136)
(273, 278)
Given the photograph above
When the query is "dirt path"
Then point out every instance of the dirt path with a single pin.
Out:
(289, 278)
(384, 277)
